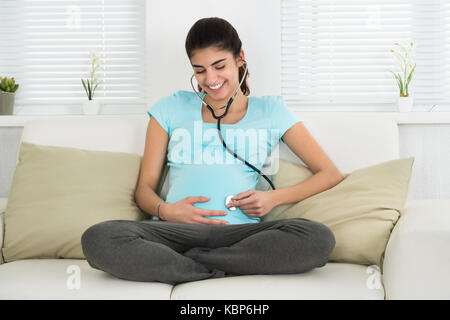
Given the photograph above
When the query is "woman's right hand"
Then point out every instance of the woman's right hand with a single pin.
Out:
(184, 211)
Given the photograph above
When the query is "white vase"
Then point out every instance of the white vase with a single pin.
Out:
(91, 107)
(405, 104)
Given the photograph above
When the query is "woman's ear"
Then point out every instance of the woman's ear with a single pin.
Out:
(241, 59)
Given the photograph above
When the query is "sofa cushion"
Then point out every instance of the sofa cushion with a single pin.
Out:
(333, 281)
(361, 210)
(71, 279)
(58, 192)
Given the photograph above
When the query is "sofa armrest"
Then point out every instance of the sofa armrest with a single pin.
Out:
(3, 202)
(417, 257)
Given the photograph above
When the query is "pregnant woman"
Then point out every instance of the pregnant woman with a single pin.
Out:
(216, 139)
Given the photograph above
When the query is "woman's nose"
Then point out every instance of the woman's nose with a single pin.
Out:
(211, 77)
(211, 81)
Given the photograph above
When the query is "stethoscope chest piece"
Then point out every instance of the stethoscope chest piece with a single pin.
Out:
(228, 200)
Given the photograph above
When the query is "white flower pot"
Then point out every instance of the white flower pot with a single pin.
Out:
(405, 104)
(91, 107)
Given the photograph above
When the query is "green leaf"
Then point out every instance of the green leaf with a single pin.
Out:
(89, 89)
(410, 74)
(85, 89)
(93, 90)
(399, 81)
(8, 84)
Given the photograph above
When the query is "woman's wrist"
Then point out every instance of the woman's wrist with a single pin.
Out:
(158, 210)
(274, 197)
(161, 212)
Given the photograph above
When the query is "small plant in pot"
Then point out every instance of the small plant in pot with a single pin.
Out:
(404, 57)
(90, 85)
(8, 87)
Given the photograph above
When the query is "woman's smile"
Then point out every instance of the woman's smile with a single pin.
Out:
(218, 87)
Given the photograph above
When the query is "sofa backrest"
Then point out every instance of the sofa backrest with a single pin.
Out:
(103, 133)
(350, 142)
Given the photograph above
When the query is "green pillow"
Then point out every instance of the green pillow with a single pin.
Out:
(361, 210)
(58, 192)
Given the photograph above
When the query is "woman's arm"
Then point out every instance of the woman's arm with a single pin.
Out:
(148, 200)
(319, 182)
(326, 175)
(152, 164)
(255, 203)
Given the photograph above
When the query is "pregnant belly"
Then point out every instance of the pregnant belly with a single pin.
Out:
(215, 182)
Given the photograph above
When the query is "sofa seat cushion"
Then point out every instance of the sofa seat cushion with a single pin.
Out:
(337, 281)
(71, 279)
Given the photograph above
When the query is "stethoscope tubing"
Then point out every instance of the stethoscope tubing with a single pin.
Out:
(218, 118)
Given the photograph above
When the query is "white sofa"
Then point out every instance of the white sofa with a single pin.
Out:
(417, 258)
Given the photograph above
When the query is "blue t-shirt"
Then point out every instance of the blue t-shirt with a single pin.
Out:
(199, 165)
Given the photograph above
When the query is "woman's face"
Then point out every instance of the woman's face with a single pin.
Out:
(216, 71)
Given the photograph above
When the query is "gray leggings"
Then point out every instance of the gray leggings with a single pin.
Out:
(173, 253)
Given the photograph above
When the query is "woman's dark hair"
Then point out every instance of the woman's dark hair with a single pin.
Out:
(219, 33)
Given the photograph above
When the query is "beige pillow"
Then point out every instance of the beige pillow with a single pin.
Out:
(361, 210)
(58, 192)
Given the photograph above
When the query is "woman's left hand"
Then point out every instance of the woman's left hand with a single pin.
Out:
(254, 203)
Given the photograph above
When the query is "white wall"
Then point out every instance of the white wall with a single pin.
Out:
(168, 22)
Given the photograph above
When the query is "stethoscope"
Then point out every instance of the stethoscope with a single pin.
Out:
(228, 198)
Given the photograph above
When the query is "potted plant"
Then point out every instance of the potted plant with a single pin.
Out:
(404, 56)
(8, 87)
(91, 106)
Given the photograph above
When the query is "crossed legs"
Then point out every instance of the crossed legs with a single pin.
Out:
(174, 253)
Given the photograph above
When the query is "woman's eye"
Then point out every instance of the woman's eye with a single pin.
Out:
(216, 68)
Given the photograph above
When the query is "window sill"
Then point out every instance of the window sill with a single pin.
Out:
(19, 121)
(399, 117)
